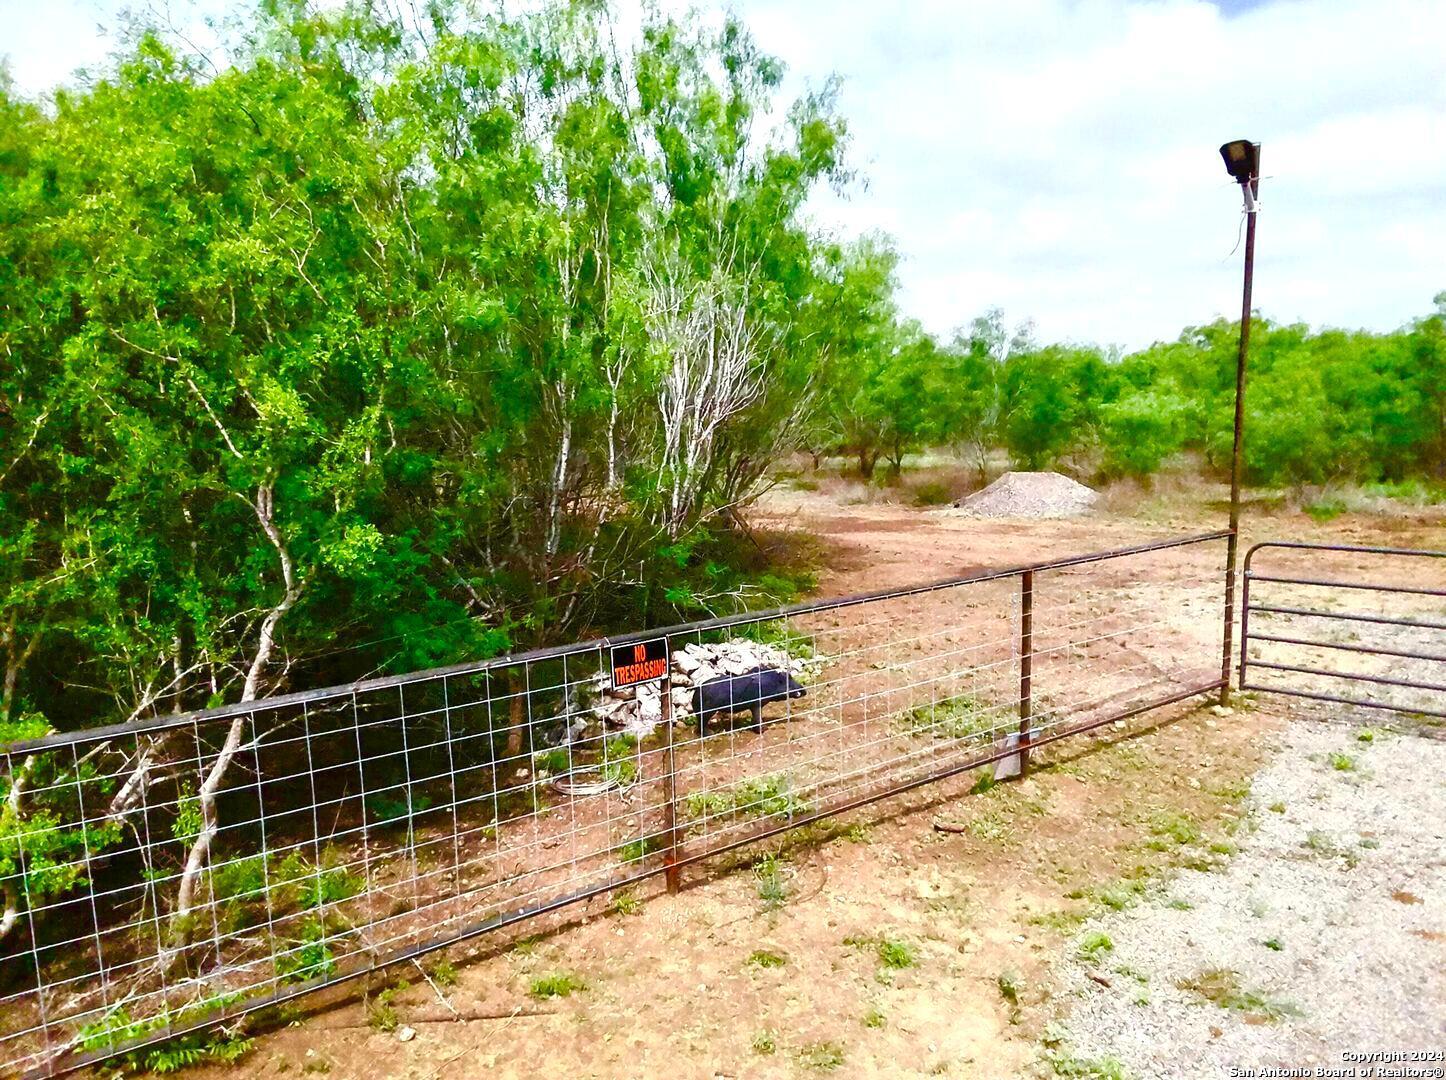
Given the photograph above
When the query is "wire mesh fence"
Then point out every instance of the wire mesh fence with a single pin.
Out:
(1346, 625)
(171, 873)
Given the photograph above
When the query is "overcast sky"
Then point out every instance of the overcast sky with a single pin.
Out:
(1057, 158)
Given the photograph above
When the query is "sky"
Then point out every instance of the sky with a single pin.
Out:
(1058, 158)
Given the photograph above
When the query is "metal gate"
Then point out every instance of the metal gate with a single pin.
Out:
(1350, 625)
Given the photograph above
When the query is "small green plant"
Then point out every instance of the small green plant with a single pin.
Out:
(1169, 828)
(626, 902)
(1366, 735)
(824, 1056)
(953, 718)
(765, 796)
(1273, 944)
(1277, 808)
(387, 808)
(875, 1018)
(1065, 1063)
(381, 1013)
(765, 1042)
(1093, 946)
(330, 886)
(558, 984)
(555, 762)
(636, 850)
(1222, 987)
(443, 973)
(1342, 762)
(1008, 983)
(765, 958)
(770, 882)
(619, 764)
(116, 1028)
(1179, 904)
(896, 954)
(982, 783)
(308, 956)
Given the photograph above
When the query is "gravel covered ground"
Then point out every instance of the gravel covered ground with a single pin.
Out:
(1324, 934)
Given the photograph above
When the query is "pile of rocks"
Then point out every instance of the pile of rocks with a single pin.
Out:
(1030, 495)
(639, 710)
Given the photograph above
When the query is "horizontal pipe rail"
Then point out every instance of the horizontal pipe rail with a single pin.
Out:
(1369, 650)
(1384, 620)
(1330, 583)
(1388, 620)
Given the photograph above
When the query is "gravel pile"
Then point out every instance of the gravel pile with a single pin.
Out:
(1331, 917)
(1030, 495)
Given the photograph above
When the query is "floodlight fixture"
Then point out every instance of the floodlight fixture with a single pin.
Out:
(1242, 160)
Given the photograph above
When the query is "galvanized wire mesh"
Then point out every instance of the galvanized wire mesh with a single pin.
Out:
(360, 825)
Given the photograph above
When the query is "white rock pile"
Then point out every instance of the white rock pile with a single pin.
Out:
(639, 710)
(1030, 495)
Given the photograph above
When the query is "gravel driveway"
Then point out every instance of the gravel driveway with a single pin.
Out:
(1324, 935)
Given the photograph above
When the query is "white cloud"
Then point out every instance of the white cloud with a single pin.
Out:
(1057, 157)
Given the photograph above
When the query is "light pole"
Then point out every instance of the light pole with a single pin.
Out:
(1242, 161)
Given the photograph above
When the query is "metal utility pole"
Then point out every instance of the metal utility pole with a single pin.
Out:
(1242, 161)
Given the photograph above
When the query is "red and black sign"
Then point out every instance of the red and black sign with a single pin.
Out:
(641, 662)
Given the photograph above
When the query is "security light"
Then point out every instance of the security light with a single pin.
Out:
(1242, 160)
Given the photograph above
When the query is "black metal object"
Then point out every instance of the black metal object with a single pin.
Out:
(1320, 620)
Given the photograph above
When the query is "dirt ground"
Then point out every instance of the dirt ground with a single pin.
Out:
(883, 945)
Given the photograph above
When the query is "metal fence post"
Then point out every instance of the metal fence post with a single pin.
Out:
(1026, 665)
(671, 870)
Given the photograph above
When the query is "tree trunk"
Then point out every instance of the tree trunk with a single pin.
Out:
(211, 786)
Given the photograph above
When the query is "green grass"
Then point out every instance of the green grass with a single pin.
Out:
(1222, 987)
(764, 796)
(770, 882)
(1169, 828)
(1342, 762)
(892, 953)
(636, 850)
(765, 958)
(308, 956)
(556, 985)
(555, 762)
(765, 1042)
(953, 718)
(1326, 508)
(387, 808)
(823, 1056)
(1093, 946)
(1366, 735)
(626, 903)
(1277, 808)
(1273, 944)
(1065, 1063)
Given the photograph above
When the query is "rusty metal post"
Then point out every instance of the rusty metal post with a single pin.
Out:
(1250, 190)
(1026, 665)
(672, 872)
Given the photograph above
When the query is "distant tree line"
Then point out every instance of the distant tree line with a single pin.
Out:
(1322, 405)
